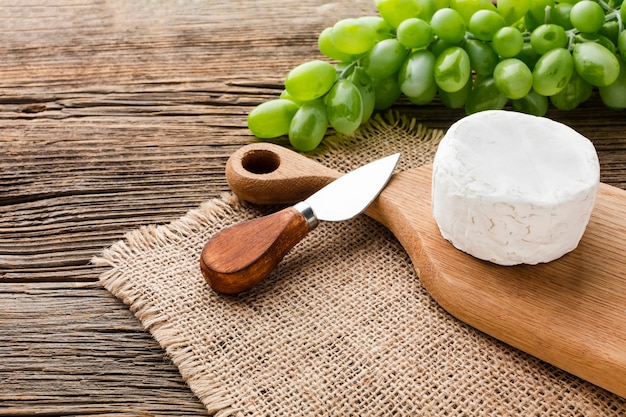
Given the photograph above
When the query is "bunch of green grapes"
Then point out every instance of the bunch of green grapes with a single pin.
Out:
(471, 54)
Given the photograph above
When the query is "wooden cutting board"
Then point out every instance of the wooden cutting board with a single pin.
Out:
(570, 312)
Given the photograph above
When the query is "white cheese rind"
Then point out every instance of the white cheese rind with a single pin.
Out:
(512, 188)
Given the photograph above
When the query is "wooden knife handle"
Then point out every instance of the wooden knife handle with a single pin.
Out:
(239, 257)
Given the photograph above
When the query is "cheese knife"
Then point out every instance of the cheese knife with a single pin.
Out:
(240, 256)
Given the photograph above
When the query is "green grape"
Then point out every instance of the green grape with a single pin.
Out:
(439, 46)
(352, 36)
(427, 9)
(366, 87)
(452, 69)
(308, 126)
(340, 67)
(415, 33)
(597, 38)
(621, 43)
(513, 10)
(467, 8)
(386, 92)
(425, 97)
(457, 99)
(559, 15)
(310, 80)
(485, 96)
(536, 14)
(507, 42)
(271, 119)
(417, 74)
(575, 92)
(553, 71)
(384, 59)
(448, 25)
(528, 55)
(548, 36)
(614, 95)
(596, 64)
(344, 106)
(587, 16)
(420, 48)
(513, 78)
(483, 58)
(485, 23)
(395, 11)
(610, 30)
(532, 103)
(381, 28)
(285, 95)
(328, 48)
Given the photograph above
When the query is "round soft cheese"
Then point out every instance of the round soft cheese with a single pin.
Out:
(512, 188)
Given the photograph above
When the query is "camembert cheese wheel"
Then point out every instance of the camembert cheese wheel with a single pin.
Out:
(512, 188)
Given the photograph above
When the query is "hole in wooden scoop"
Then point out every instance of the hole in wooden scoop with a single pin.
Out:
(260, 161)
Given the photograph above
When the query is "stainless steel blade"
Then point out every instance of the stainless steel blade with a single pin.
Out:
(351, 193)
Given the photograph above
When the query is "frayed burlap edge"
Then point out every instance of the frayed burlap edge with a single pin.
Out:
(213, 395)
(175, 344)
(388, 120)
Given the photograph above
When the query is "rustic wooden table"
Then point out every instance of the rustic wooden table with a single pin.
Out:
(116, 114)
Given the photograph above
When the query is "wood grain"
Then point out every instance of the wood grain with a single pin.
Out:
(568, 312)
(116, 114)
(231, 268)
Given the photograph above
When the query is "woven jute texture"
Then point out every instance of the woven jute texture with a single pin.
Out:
(342, 327)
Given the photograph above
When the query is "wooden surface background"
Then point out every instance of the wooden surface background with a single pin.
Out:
(116, 114)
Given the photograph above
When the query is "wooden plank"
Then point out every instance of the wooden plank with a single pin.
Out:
(116, 114)
(72, 349)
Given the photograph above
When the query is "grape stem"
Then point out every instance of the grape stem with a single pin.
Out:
(614, 14)
(610, 15)
(605, 6)
(346, 71)
(571, 34)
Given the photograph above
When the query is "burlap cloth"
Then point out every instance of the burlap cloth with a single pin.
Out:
(343, 327)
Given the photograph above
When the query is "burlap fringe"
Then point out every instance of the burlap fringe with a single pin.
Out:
(151, 236)
(391, 119)
(395, 119)
(212, 395)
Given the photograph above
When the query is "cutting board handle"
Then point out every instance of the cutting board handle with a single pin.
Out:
(262, 173)
(265, 173)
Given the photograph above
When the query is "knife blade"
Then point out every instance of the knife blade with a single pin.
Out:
(240, 256)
